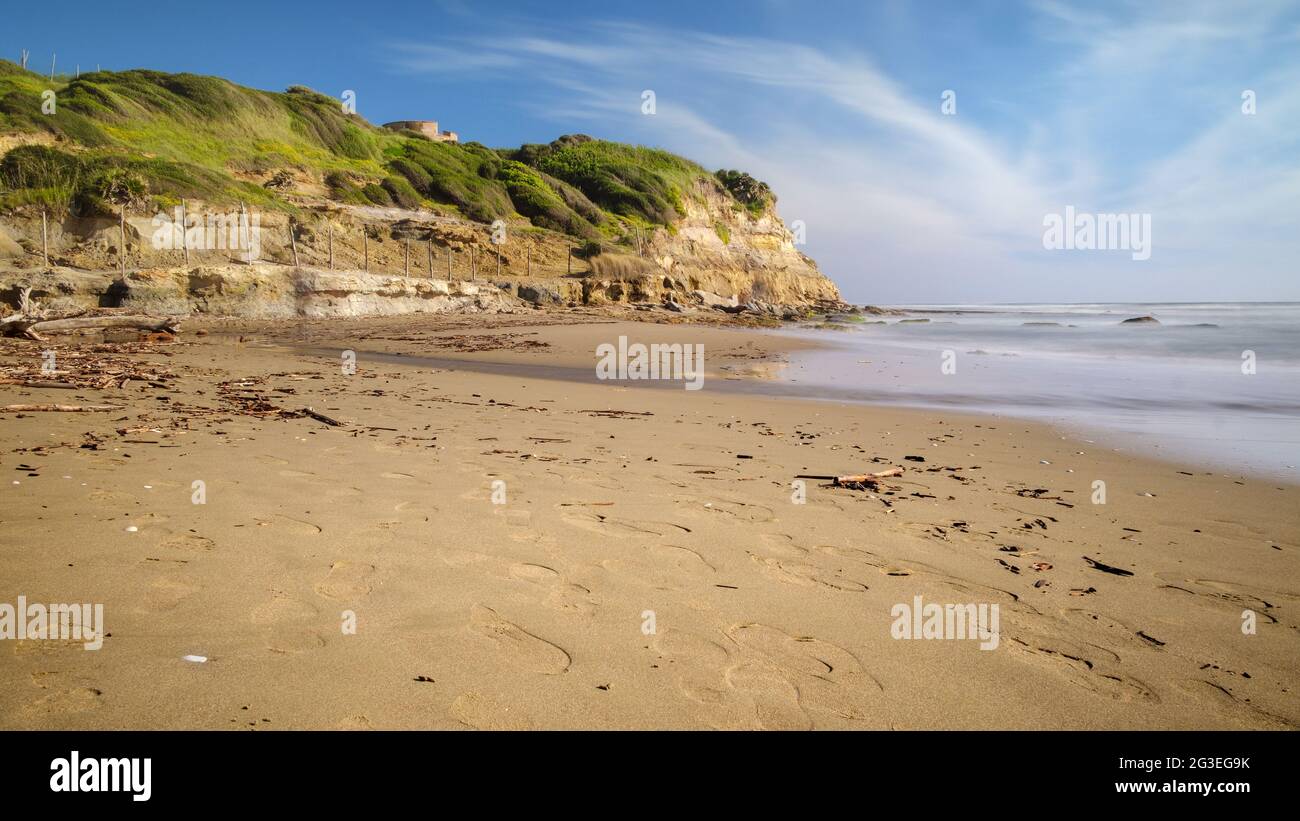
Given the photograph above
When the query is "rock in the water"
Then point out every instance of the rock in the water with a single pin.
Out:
(1141, 320)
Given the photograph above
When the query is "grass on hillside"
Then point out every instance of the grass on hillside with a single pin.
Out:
(152, 137)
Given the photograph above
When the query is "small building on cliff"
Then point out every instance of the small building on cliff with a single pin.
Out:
(428, 128)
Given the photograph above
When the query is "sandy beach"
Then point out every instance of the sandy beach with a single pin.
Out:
(479, 545)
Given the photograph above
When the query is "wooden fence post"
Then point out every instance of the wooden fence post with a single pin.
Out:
(185, 242)
(45, 240)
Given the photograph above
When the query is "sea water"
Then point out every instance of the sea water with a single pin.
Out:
(1217, 384)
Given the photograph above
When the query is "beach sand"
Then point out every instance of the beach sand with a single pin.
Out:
(649, 566)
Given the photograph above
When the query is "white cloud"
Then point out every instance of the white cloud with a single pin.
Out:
(904, 203)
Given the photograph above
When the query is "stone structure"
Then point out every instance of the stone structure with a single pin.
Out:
(428, 128)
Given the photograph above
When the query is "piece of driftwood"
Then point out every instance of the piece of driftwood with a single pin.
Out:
(144, 323)
(39, 383)
(855, 479)
(1105, 568)
(57, 408)
(320, 417)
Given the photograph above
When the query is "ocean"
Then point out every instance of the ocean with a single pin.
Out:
(1215, 384)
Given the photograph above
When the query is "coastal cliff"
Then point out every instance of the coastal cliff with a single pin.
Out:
(175, 178)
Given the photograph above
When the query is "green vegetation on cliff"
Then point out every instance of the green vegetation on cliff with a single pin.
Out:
(153, 138)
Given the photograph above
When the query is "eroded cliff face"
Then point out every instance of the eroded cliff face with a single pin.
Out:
(386, 260)
(726, 251)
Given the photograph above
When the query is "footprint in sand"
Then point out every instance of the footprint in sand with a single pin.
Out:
(45, 647)
(1227, 595)
(415, 506)
(560, 593)
(293, 640)
(1106, 628)
(563, 596)
(829, 679)
(328, 485)
(188, 543)
(698, 663)
(1224, 700)
(521, 648)
(514, 517)
(661, 567)
(741, 511)
(779, 544)
(536, 573)
(296, 527)
(486, 488)
(733, 692)
(806, 575)
(166, 593)
(115, 498)
(282, 608)
(1079, 664)
(482, 713)
(346, 580)
(67, 700)
(773, 700)
(621, 528)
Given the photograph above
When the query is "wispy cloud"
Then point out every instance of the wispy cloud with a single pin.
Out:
(905, 203)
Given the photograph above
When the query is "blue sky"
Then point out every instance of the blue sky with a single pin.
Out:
(1106, 107)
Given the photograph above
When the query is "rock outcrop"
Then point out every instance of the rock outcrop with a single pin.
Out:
(263, 291)
(717, 256)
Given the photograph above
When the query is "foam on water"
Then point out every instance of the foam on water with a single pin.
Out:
(1177, 388)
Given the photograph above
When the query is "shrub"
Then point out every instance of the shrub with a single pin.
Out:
(377, 194)
(589, 250)
(401, 192)
(754, 195)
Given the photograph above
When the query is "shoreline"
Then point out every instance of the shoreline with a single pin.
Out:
(617, 502)
(771, 352)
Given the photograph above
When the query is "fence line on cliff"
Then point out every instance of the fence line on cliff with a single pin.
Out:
(438, 261)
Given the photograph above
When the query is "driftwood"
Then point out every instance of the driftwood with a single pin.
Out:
(31, 323)
(57, 408)
(855, 479)
(40, 383)
(320, 417)
(32, 328)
